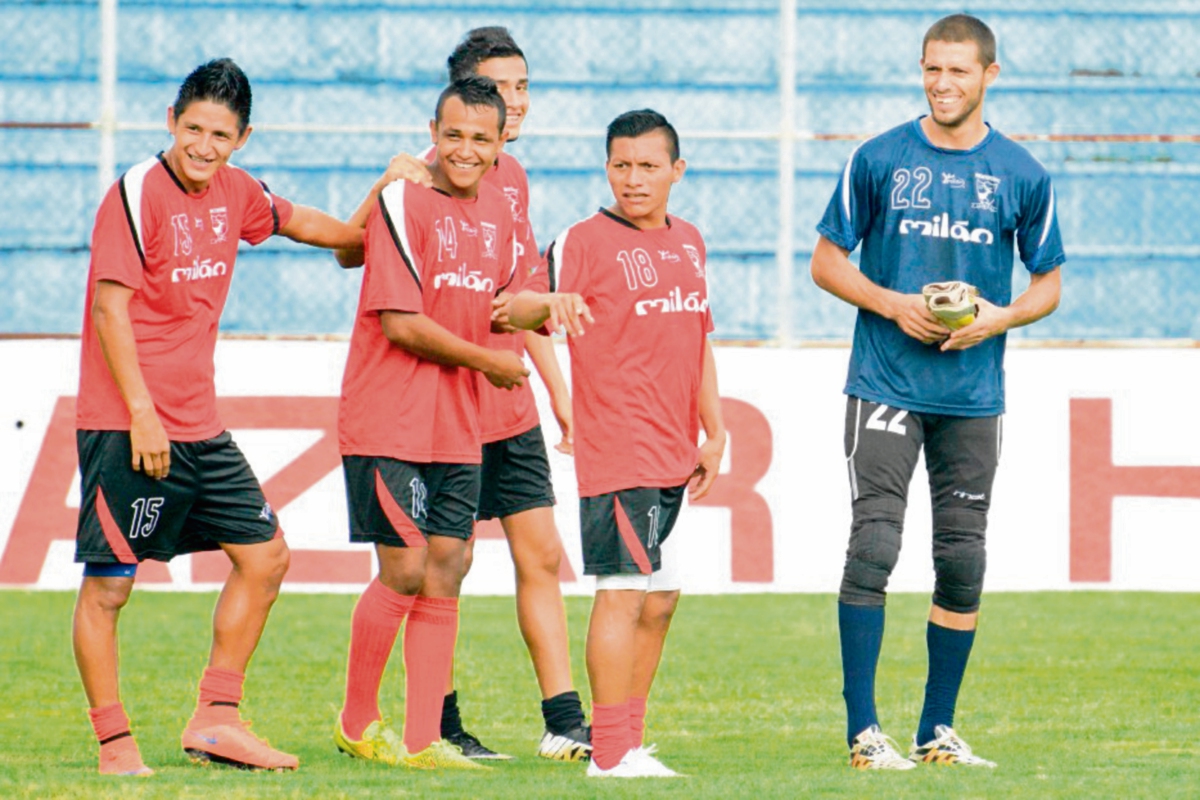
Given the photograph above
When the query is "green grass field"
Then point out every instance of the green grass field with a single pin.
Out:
(1075, 695)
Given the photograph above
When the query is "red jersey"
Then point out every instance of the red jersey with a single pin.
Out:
(636, 374)
(427, 253)
(504, 413)
(176, 251)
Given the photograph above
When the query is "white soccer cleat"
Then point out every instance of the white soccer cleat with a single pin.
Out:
(645, 757)
(872, 749)
(947, 747)
(635, 764)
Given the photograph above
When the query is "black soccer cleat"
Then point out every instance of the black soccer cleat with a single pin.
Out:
(473, 749)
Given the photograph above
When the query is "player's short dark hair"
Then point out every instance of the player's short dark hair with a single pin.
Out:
(217, 81)
(475, 91)
(633, 124)
(481, 44)
(964, 28)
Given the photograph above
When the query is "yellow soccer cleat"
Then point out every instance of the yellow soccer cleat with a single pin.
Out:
(442, 755)
(378, 743)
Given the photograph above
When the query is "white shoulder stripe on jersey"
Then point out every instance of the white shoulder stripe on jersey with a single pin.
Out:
(131, 184)
(391, 202)
(556, 258)
(846, 184)
(1048, 221)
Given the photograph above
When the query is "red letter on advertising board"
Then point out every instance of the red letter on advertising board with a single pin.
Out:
(1095, 481)
(752, 533)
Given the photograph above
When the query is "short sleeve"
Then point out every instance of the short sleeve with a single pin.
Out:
(264, 214)
(848, 215)
(1038, 237)
(115, 254)
(392, 279)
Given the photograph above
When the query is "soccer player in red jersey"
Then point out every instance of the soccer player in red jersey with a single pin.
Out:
(516, 486)
(409, 427)
(160, 475)
(643, 382)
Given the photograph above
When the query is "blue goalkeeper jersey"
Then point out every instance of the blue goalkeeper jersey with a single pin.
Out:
(925, 214)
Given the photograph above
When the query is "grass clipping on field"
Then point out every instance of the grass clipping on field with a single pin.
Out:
(1073, 694)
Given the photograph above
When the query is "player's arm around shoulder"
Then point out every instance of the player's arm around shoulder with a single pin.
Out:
(310, 226)
(833, 271)
(1039, 299)
(402, 167)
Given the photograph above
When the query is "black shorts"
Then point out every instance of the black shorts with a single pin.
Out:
(516, 475)
(882, 445)
(622, 531)
(400, 503)
(209, 498)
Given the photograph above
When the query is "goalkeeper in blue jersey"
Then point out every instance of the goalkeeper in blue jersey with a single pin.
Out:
(939, 200)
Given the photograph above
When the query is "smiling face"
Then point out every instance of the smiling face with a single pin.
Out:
(640, 173)
(206, 134)
(955, 84)
(467, 140)
(512, 81)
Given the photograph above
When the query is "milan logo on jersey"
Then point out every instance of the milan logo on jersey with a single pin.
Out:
(199, 270)
(219, 221)
(489, 239)
(985, 192)
(514, 200)
(694, 255)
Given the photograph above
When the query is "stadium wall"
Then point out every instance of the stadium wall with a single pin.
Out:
(340, 85)
(1099, 484)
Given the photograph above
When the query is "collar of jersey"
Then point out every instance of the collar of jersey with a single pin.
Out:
(626, 222)
(162, 159)
(920, 134)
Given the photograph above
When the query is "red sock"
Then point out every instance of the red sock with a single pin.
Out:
(610, 734)
(428, 653)
(220, 693)
(118, 751)
(377, 618)
(109, 722)
(637, 720)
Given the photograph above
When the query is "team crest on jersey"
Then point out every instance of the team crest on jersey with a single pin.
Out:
(985, 192)
(489, 239)
(694, 255)
(219, 222)
(514, 199)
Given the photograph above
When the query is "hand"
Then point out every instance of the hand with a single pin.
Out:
(500, 323)
(567, 312)
(566, 423)
(990, 320)
(151, 447)
(404, 167)
(506, 370)
(916, 320)
(709, 467)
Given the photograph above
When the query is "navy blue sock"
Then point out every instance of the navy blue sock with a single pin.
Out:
(948, 653)
(861, 629)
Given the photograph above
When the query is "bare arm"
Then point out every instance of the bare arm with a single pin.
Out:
(833, 272)
(558, 312)
(425, 338)
(713, 422)
(1037, 301)
(110, 316)
(310, 226)
(401, 167)
(541, 350)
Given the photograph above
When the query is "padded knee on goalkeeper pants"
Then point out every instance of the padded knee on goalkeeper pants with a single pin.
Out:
(870, 558)
(959, 560)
